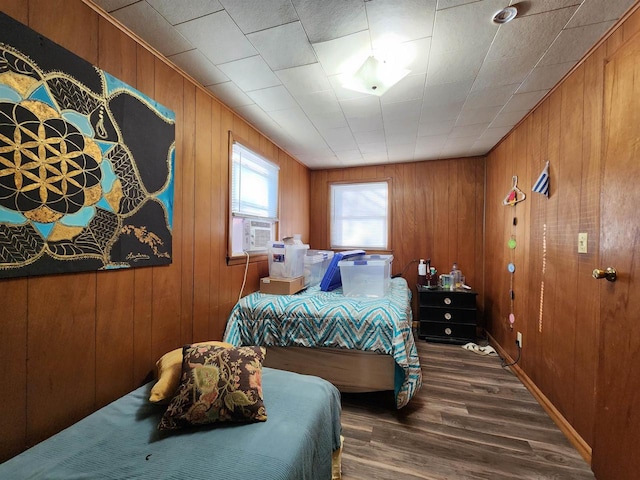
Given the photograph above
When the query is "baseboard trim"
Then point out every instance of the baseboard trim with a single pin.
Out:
(574, 437)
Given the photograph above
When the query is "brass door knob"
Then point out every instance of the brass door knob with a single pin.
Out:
(610, 274)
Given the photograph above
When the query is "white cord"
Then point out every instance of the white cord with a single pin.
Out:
(244, 280)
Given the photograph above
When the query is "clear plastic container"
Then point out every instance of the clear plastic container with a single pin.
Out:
(366, 275)
(286, 261)
(316, 263)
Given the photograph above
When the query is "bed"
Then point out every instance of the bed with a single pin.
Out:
(121, 440)
(358, 344)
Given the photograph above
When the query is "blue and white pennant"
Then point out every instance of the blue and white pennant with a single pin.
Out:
(542, 183)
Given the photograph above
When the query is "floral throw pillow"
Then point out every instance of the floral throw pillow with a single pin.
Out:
(217, 385)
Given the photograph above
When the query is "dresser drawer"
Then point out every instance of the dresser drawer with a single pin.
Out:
(448, 315)
(452, 332)
(445, 298)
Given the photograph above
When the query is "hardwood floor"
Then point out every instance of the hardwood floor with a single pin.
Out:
(472, 419)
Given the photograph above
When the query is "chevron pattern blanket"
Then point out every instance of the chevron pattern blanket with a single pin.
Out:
(313, 318)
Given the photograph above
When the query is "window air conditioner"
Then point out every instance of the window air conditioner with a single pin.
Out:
(258, 234)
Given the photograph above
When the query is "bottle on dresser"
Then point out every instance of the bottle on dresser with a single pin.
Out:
(456, 277)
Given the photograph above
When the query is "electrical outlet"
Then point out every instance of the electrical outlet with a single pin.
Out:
(519, 339)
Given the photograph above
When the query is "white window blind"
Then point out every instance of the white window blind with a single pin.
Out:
(254, 184)
(360, 215)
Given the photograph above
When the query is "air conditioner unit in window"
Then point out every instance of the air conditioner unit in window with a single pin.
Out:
(258, 234)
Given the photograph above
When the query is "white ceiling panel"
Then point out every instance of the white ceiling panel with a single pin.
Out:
(280, 64)
(573, 43)
(304, 79)
(153, 28)
(252, 16)
(543, 77)
(199, 67)
(178, 12)
(331, 19)
(393, 21)
(273, 98)
(250, 73)
(284, 46)
(217, 37)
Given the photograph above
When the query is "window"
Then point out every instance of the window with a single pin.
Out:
(360, 215)
(254, 200)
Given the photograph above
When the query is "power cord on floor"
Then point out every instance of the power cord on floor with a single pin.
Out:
(504, 364)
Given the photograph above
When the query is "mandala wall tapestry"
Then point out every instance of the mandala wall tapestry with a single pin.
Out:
(86, 164)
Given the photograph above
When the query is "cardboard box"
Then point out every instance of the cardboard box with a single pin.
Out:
(281, 286)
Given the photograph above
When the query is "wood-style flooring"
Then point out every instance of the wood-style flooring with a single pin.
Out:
(472, 419)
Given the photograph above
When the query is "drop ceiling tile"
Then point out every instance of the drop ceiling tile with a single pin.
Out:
(573, 43)
(295, 120)
(347, 156)
(491, 96)
(318, 102)
(361, 107)
(393, 21)
(259, 118)
(443, 4)
(524, 101)
(529, 37)
(403, 111)
(199, 67)
(336, 82)
(401, 126)
(345, 54)
(111, 5)
(410, 87)
(401, 138)
(376, 158)
(458, 28)
(540, 6)
(414, 55)
(466, 131)
(508, 119)
(327, 120)
(152, 28)
(454, 66)
(494, 134)
(217, 37)
(504, 71)
(363, 124)
(273, 98)
(401, 152)
(544, 77)
(340, 139)
(230, 94)
(304, 79)
(252, 15)
(458, 145)
(436, 128)
(178, 12)
(331, 19)
(429, 148)
(446, 93)
(449, 111)
(284, 46)
(596, 11)
(250, 73)
(477, 115)
(371, 136)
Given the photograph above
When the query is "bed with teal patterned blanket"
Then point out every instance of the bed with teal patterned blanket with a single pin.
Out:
(313, 318)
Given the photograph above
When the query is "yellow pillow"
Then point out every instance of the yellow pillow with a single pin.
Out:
(168, 370)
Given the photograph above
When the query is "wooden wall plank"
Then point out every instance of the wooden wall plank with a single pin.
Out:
(16, 9)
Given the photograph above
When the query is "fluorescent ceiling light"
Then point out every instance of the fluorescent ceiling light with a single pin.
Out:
(375, 77)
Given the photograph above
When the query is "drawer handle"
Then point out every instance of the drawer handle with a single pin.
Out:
(447, 331)
(447, 300)
(447, 316)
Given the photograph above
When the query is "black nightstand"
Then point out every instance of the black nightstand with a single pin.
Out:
(447, 316)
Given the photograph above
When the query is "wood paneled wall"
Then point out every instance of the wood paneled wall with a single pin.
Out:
(69, 344)
(556, 305)
(437, 213)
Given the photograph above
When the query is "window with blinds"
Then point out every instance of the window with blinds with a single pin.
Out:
(360, 215)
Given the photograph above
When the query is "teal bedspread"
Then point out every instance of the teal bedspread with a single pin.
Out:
(313, 318)
(120, 441)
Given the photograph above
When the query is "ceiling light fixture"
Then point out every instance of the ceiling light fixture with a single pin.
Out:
(505, 15)
(375, 77)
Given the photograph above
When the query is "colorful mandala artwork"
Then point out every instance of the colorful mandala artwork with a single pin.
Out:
(86, 164)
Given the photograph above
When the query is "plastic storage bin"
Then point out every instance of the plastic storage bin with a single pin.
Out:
(316, 263)
(286, 261)
(366, 275)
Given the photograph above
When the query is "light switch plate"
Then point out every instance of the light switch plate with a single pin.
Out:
(582, 242)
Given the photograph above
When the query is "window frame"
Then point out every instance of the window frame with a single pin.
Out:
(234, 258)
(389, 215)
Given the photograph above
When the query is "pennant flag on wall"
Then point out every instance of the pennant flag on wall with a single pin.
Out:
(542, 183)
